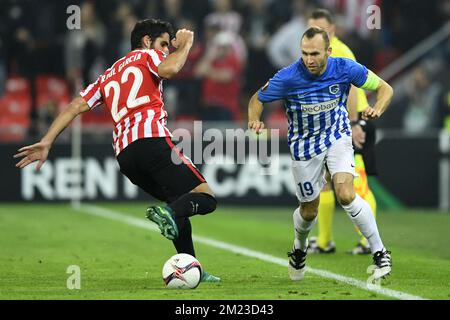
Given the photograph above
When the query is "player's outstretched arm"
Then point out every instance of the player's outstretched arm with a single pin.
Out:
(384, 96)
(175, 61)
(39, 151)
(255, 108)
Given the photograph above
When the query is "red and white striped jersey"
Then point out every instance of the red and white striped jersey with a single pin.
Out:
(132, 91)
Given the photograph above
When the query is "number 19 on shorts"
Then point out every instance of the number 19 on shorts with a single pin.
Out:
(306, 189)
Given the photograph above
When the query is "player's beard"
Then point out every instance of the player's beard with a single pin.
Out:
(321, 66)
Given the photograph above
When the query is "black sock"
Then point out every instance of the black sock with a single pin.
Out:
(184, 243)
(193, 203)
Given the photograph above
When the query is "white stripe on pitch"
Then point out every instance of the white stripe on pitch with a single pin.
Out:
(141, 223)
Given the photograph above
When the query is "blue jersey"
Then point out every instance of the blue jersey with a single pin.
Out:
(316, 106)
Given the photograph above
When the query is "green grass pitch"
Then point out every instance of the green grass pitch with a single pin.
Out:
(123, 261)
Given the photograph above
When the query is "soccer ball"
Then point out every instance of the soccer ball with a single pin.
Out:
(182, 271)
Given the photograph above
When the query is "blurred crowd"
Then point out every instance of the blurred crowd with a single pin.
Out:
(238, 46)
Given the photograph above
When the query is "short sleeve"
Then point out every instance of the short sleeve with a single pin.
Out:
(92, 94)
(155, 57)
(274, 89)
(357, 73)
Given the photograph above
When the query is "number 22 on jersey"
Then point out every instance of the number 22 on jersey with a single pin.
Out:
(132, 100)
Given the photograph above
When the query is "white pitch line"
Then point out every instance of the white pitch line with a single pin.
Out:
(141, 223)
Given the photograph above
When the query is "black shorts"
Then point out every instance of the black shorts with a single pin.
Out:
(148, 164)
(368, 150)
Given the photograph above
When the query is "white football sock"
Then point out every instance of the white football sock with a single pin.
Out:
(302, 228)
(361, 214)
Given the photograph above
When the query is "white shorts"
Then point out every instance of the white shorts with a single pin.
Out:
(309, 175)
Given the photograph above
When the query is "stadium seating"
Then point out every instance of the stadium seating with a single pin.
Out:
(15, 108)
(49, 87)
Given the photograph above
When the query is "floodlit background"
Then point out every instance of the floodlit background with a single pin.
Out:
(44, 62)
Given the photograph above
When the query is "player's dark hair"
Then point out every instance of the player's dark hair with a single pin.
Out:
(322, 14)
(153, 28)
(312, 31)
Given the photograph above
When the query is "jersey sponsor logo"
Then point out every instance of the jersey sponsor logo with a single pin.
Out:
(320, 107)
(334, 89)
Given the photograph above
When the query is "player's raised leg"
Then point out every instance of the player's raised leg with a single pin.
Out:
(201, 201)
(184, 185)
(188, 194)
(148, 163)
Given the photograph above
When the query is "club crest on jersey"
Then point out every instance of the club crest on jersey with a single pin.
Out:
(334, 89)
